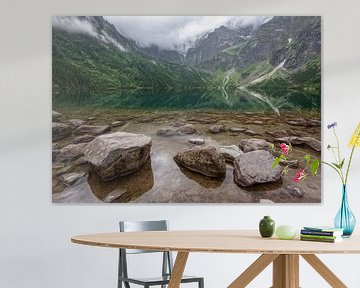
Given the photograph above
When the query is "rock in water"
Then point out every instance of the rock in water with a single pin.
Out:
(118, 154)
(75, 122)
(255, 168)
(295, 191)
(60, 130)
(167, 132)
(83, 139)
(251, 132)
(237, 129)
(94, 130)
(187, 129)
(230, 152)
(309, 141)
(112, 196)
(206, 160)
(248, 145)
(71, 178)
(197, 141)
(217, 129)
(71, 152)
(56, 116)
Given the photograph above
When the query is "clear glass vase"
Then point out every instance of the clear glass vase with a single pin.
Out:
(345, 219)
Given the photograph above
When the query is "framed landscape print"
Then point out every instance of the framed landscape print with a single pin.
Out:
(185, 109)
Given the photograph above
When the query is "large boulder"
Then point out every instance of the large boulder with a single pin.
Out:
(253, 144)
(60, 130)
(118, 154)
(93, 130)
(309, 141)
(205, 160)
(255, 168)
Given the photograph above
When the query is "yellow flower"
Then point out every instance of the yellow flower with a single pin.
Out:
(355, 138)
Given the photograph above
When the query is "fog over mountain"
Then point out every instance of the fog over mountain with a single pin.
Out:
(177, 32)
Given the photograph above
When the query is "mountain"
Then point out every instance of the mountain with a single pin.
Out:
(206, 52)
(90, 54)
(283, 38)
(283, 54)
(171, 56)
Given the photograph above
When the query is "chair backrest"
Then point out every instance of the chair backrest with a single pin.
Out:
(137, 226)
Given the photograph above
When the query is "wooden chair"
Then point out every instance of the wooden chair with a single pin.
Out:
(167, 262)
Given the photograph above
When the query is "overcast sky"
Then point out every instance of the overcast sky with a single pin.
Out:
(169, 32)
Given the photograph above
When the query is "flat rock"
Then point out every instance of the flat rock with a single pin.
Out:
(71, 152)
(283, 133)
(167, 132)
(251, 132)
(248, 145)
(254, 168)
(230, 152)
(56, 116)
(75, 122)
(237, 129)
(187, 129)
(118, 154)
(61, 130)
(257, 122)
(205, 160)
(113, 195)
(83, 139)
(290, 163)
(295, 191)
(197, 141)
(94, 130)
(217, 129)
(69, 179)
(266, 201)
(117, 123)
(304, 122)
(309, 141)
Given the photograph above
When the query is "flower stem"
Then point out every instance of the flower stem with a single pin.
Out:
(348, 167)
(337, 170)
(339, 155)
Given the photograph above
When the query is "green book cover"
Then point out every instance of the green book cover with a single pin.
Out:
(319, 236)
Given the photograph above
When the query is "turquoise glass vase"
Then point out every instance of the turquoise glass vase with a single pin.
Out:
(345, 219)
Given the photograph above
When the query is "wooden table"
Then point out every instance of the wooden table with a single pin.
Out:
(284, 254)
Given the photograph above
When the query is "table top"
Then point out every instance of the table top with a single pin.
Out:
(216, 241)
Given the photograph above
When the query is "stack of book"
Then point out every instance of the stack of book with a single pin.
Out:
(321, 234)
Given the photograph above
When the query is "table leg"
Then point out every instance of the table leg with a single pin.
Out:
(253, 270)
(324, 271)
(178, 269)
(286, 271)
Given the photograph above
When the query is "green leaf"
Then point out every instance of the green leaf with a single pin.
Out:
(314, 166)
(307, 158)
(276, 162)
(342, 163)
(271, 146)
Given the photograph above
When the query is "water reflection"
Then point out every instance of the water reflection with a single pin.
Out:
(135, 184)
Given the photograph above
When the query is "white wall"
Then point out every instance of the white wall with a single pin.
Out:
(35, 248)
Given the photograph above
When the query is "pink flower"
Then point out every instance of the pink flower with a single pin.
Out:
(300, 174)
(285, 148)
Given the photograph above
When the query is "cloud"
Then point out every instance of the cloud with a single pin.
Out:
(74, 25)
(84, 25)
(176, 32)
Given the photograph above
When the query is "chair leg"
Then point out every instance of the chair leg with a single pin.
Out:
(201, 283)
